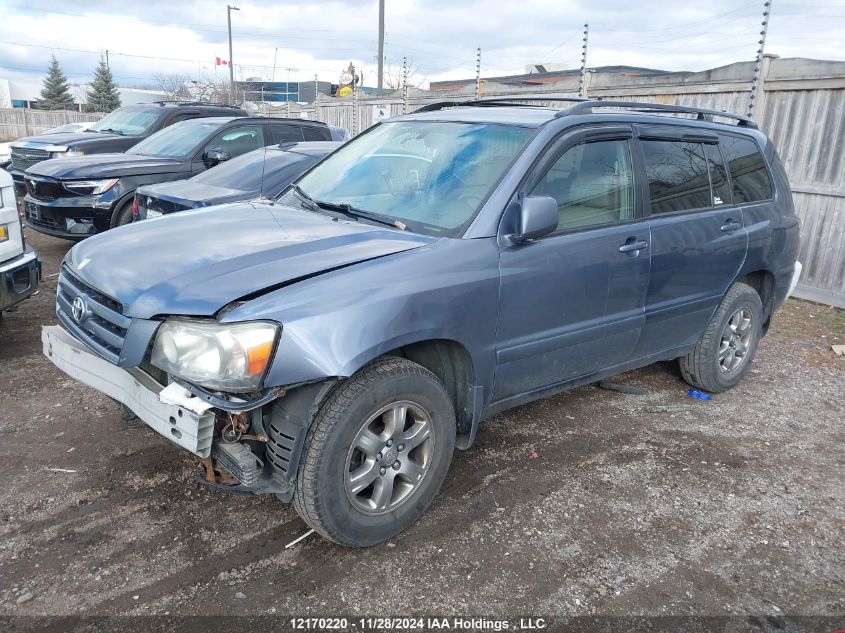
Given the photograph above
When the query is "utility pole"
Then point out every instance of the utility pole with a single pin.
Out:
(582, 83)
(478, 74)
(755, 79)
(380, 46)
(107, 58)
(229, 9)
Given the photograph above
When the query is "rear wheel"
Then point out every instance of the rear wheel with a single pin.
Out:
(724, 352)
(376, 454)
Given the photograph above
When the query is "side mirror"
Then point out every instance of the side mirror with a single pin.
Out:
(214, 156)
(538, 216)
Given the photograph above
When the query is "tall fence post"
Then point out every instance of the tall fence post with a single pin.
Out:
(758, 62)
(316, 99)
(478, 74)
(404, 85)
(582, 83)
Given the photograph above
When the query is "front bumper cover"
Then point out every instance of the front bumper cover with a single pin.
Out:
(131, 387)
(19, 278)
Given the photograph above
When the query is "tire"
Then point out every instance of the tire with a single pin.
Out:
(358, 511)
(715, 364)
(123, 215)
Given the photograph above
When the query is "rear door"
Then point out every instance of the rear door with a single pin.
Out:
(697, 235)
(571, 303)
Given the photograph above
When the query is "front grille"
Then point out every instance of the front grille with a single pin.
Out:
(23, 159)
(100, 324)
(44, 189)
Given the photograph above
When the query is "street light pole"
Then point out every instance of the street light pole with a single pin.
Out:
(229, 9)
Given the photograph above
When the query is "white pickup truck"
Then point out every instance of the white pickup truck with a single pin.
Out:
(19, 267)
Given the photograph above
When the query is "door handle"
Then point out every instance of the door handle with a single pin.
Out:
(730, 226)
(631, 247)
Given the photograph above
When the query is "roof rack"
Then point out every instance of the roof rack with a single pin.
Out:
(495, 102)
(703, 114)
(194, 103)
(586, 106)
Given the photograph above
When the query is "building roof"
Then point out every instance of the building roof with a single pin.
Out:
(540, 78)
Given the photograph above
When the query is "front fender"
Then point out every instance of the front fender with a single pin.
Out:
(335, 323)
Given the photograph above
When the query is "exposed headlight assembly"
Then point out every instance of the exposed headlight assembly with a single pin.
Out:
(90, 187)
(68, 154)
(220, 356)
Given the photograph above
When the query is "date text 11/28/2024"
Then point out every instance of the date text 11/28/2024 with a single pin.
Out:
(417, 624)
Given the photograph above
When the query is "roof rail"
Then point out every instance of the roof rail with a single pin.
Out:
(509, 100)
(703, 114)
(195, 103)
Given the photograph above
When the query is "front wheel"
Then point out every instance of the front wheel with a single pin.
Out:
(724, 352)
(376, 454)
(124, 214)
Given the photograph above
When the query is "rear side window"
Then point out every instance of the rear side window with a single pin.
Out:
(677, 176)
(316, 134)
(718, 175)
(287, 133)
(751, 181)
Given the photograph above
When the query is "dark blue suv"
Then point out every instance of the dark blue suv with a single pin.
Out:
(335, 345)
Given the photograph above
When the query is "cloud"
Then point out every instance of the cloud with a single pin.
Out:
(440, 37)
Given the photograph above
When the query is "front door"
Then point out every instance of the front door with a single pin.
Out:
(571, 303)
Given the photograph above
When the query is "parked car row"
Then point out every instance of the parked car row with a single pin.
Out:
(75, 183)
(332, 344)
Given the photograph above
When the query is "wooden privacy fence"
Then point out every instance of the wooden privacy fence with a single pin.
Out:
(801, 106)
(19, 122)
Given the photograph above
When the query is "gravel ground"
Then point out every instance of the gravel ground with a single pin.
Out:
(590, 502)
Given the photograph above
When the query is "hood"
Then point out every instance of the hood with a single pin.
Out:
(104, 166)
(80, 140)
(188, 194)
(196, 262)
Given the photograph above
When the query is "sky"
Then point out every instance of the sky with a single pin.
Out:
(439, 37)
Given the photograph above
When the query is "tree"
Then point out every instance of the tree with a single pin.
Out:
(173, 85)
(393, 76)
(55, 94)
(104, 96)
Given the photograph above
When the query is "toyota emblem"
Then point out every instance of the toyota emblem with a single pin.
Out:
(78, 310)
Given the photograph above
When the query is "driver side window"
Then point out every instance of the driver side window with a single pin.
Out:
(238, 140)
(592, 184)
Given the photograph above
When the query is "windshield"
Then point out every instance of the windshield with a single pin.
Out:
(246, 172)
(179, 140)
(432, 176)
(128, 121)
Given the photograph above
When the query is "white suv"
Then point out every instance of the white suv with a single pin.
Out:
(19, 266)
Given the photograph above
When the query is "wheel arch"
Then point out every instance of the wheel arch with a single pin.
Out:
(763, 282)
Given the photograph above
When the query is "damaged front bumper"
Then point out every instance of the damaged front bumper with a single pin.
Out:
(132, 387)
(221, 433)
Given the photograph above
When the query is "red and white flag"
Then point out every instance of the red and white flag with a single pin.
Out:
(221, 62)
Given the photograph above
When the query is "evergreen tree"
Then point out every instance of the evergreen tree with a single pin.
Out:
(55, 94)
(103, 96)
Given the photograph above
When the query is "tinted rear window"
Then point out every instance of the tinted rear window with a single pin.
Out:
(750, 177)
(677, 176)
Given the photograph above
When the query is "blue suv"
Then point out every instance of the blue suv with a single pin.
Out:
(335, 345)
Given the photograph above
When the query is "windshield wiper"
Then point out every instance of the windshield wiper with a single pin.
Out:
(355, 212)
(306, 199)
(112, 130)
